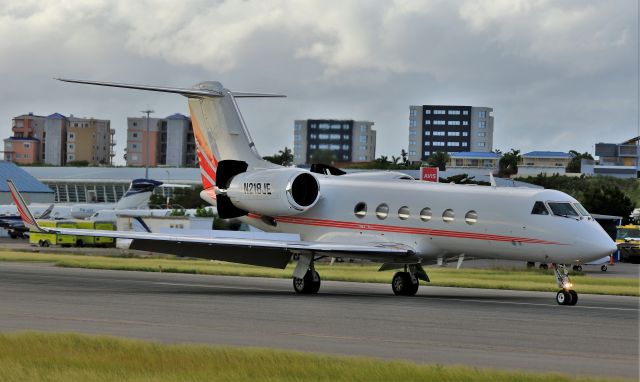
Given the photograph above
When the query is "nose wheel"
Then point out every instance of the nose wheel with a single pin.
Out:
(403, 284)
(566, 295)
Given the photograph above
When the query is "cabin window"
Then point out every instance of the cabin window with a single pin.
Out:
(382, 211)
(539, 209)
(403, 213)
(425, 214)
(448, 216)
(360, 210)
(563, 209)
(471, 217)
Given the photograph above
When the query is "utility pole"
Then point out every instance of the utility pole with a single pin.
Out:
(148, 146)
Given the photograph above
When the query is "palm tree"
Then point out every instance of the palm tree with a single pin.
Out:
(508, 164)
(395, 159)
(404, 155)
(286, 156)
(439, 159)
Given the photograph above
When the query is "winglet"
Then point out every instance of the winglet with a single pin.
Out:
(25, 214)
(492, 180)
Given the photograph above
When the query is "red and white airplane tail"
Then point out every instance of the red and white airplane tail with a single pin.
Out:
(23, 210)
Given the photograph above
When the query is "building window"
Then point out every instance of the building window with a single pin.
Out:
(360, 210)
(72, 135)
(439, 112)
(482, 125)
(363, 128)
(26, 145)
(453, 144)
(438, 122)
(465, 144)
(427, 122)
(313, 136)
(448, 216)
(427, 153)
(471, 217)
(134, 146)
(438, 133)
(427, 111)
(465, 133)
(481, 144)
(413, 123)
(324, 126)
(413, 112)
(362, 148)
(465, 112)
(382, 211)
(323, 136)
(334, 136)
(453, 133)
(427, 143)
(482, 114)
(346, 137)
(71, 146)
(345, 147)
(134, 135)
(453, 123)
(427, 133)
(297, 138)
(313, 147)
(453, 112)
(412, 153)
(465, 123)
(363, 139)
(425, 214)
(297, 126)
(403, 213)
(482, 134)
(412, 132)
(437, 143)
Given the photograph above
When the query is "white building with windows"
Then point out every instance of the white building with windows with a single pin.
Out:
(349, 141)
(449, 129)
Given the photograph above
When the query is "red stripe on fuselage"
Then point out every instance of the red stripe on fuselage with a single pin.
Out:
(405, 230)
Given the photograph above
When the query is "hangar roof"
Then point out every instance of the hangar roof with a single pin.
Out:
(24, 181)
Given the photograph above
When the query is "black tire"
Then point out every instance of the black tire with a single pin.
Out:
(577, 268)
(574, 297)
(531, 264)
(563, 297)
(544, 266)
(40, 243)
(402, 285)
(309, 284)
(604, 268)
(45, 243)
(79, 243)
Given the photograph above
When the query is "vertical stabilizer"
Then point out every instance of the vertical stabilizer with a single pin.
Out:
(220, 132)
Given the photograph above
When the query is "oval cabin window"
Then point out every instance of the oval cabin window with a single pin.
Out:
(382, 211)
(360, 210)
(448, 216)
(471, 217)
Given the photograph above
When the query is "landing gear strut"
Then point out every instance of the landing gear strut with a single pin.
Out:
(566, 295)
(306, 279)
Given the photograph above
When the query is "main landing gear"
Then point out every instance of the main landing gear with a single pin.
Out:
(406, 283)
(306, 279)
(566, 295)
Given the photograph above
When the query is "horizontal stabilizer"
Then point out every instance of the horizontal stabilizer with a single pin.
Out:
(199, 93)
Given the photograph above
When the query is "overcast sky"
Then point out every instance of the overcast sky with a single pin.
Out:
(559, 75)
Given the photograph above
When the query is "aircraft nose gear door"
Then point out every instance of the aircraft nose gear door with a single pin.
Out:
(566, 295)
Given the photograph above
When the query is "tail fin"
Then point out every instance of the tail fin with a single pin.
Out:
(220, 132)
(138, 194)
(23, 210)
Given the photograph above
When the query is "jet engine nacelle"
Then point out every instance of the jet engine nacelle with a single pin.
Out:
(274, 192)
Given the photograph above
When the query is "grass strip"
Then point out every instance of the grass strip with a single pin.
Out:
(512, 279)
(74, 357)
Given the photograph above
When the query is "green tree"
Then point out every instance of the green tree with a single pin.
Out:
(405, 157)
(395, 159)
(439, 159)
(508, 163)
(574, 163)
(607, 199)
(382, 162)
(283, 157)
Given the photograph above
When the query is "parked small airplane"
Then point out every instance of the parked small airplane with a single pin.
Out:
(136, 197)
(385, 217)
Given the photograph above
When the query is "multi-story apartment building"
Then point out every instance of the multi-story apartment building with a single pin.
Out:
(169, 141)
(616, 159)
(449, 129)
(89, 140)
(349, 141)
(39, 139)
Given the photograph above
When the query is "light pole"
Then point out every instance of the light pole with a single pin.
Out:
(146, 159)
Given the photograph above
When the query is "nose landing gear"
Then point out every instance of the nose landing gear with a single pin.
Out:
(566, 296)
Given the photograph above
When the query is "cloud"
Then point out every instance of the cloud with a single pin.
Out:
(543, 66)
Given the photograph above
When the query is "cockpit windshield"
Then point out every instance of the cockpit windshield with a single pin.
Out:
(563, 209)
(583, 211)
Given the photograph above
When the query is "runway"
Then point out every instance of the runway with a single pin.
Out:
(487, 328)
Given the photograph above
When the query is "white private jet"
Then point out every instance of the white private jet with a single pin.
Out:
(385, 217)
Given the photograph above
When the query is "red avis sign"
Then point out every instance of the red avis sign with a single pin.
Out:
(429, 174)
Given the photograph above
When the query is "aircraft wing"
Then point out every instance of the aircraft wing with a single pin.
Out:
(274, 253)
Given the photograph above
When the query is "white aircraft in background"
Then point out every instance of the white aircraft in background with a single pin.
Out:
(384, 217)
(136, 197)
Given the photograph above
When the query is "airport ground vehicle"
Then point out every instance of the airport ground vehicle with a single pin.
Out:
(46, 239)
(628, 241)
